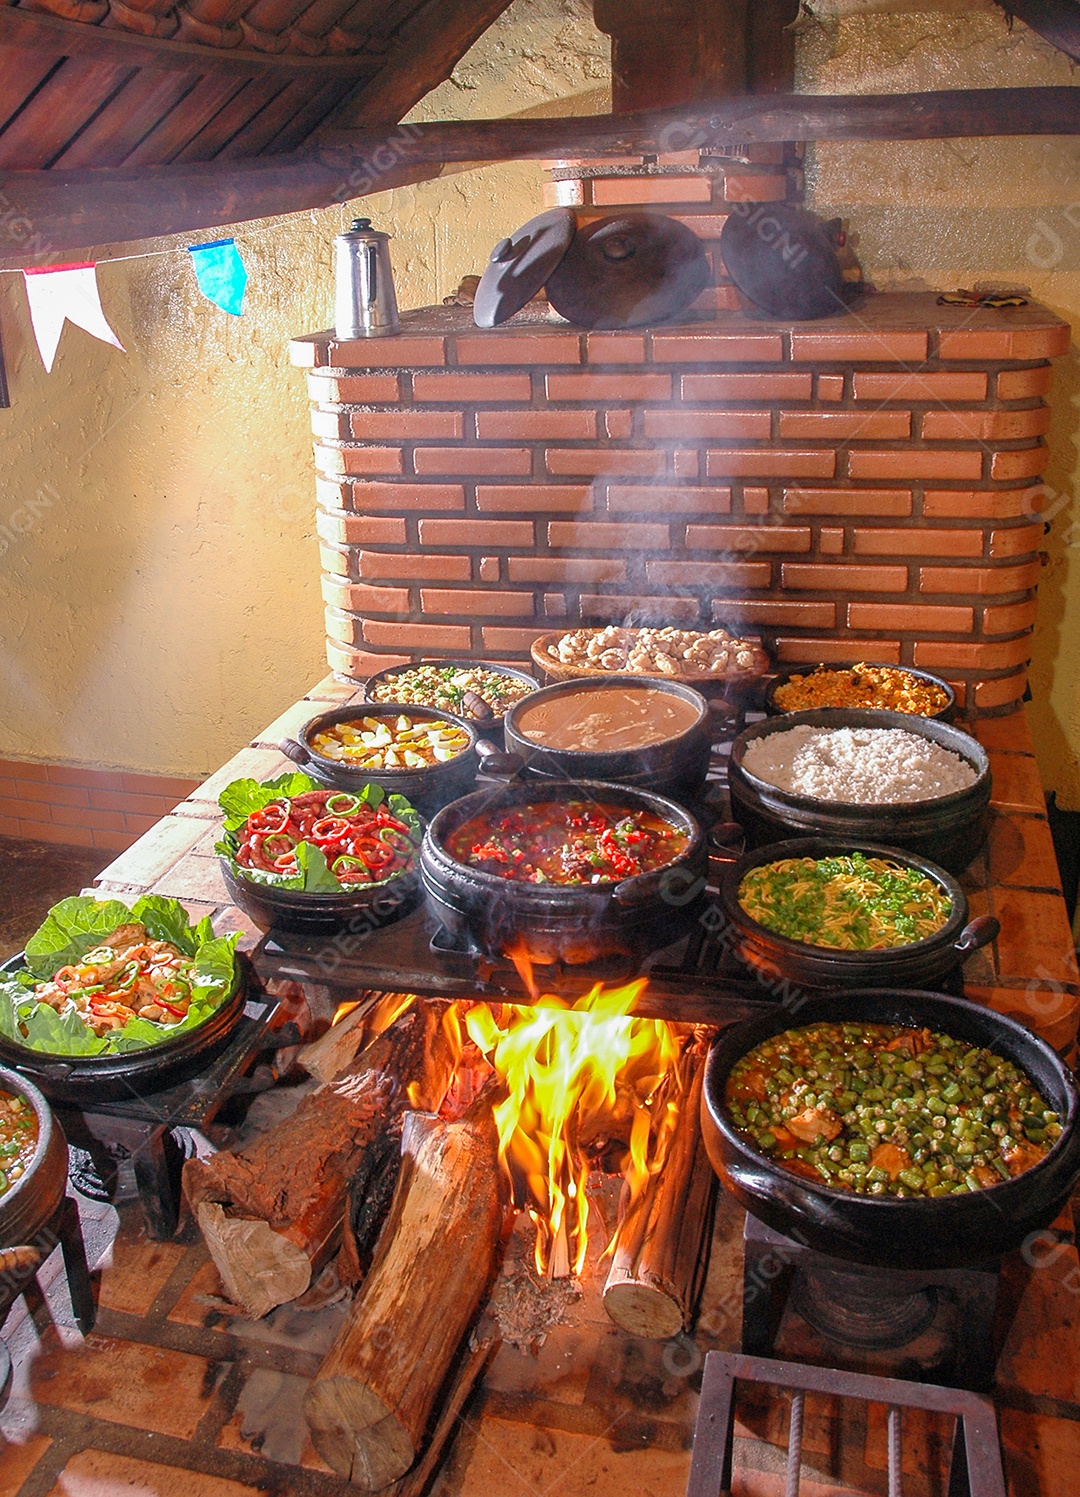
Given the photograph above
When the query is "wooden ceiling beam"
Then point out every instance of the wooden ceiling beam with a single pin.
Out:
(1056, 21)
(422, 54)
(46, 212)
(38, 31)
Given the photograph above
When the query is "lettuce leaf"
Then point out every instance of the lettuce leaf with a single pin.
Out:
(71, 929)
(167, 920)
(239, 799)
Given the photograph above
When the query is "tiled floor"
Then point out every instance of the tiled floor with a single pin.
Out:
(33, 876)
(171, 1396)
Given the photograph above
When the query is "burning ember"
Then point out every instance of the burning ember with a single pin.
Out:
(584, 1080)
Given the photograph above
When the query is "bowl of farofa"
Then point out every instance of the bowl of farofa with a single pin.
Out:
(886, 688)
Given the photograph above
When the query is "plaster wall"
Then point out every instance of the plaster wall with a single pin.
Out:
(159, 572)
(159, 589)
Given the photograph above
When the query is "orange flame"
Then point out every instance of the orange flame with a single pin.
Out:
(343, 1011)
(576, 1074)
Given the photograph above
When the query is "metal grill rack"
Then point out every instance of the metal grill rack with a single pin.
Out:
(975, 1469)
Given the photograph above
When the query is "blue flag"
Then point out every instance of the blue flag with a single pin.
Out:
(220, 273)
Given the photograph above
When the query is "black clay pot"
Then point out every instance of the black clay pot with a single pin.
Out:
(675, 766)
(922, 964)
(950, 829)
(357, 911)
(84, 1079)
(32, 1201)
(489, 721)
(427, 789)
(949, 1232)
(559, 922)
(942, 715)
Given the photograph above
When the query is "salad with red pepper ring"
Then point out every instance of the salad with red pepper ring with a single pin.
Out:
(293, 833)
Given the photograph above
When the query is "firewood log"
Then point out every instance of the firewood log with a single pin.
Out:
(272, 1212)
(661, 1252)
(371, 1407)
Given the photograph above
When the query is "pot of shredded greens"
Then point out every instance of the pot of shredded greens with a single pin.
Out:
(850, 902)
(99, 978)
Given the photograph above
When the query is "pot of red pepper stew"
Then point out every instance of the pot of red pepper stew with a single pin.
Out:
(895, 1127)
(427, 755)
(302, 858)
(575, 870)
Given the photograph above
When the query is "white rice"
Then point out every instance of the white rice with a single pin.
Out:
(864, 766)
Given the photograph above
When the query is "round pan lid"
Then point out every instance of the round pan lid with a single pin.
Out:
(629, 270)
(519, 266)
(783, 259)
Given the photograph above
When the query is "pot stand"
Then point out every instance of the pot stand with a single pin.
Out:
(142, 1128)
(62, 1229)
(868, 1308)
(975, 1468)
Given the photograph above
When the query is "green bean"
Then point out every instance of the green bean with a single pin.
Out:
(929, 1117)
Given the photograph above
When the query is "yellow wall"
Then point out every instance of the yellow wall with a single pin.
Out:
(164, 600)
(159, 595)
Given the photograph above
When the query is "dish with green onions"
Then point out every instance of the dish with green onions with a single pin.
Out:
(850, 902)
(888, 1110)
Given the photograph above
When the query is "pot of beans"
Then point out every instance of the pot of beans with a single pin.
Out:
(822, 913)
(569, 871)
(883, 777)
(427, 755)
(33, 1161)
(898, 1128)
(887, 688)
(477, 690)
(642, 732)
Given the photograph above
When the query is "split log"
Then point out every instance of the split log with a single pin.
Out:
(329, 1055)
(661, 1253)
(272, 1213)
(371, 1405)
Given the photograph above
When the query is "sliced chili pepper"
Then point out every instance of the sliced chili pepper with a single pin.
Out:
(271, 818)
(349, 864)
(343, 804)
(398, 840)
(330, 829)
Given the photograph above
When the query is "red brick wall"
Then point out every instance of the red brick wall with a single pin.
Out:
(109, 809)
(864, 486)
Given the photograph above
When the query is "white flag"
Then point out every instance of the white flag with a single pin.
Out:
(65, 293)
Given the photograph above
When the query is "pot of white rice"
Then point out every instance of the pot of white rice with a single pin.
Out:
(909, 782)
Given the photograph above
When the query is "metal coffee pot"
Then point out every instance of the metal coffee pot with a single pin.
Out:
(364, 303)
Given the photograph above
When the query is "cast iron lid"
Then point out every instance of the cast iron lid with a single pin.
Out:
(520, 265)
(629, 270)
(784, 260)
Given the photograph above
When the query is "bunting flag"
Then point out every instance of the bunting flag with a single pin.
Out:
(220, 273)
(65, 293)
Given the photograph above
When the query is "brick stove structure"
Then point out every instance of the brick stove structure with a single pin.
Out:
(858, 487)
(865, 486)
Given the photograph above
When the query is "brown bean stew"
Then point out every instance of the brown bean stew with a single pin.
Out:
(566, 842)
(18, 1139)
(606, 720)
(881, 1109)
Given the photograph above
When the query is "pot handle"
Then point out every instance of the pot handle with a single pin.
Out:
(481, 710)
(976, 934)
(58, 1071)
(673, 886)
(496, 763)
(294, 751)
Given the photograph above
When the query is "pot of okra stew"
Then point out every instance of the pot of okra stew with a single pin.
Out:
(898, 1128)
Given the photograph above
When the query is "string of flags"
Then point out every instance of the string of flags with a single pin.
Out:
(69, 293)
